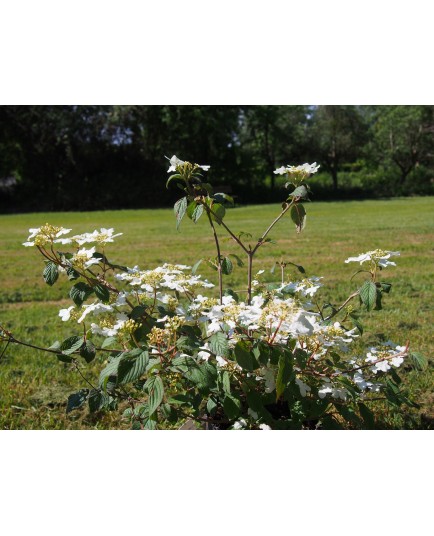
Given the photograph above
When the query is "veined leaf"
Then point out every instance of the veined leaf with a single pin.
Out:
(231, 406)
(244, 356)
(50, 273)
(131, 367)
(88, 351)
(197, 213)
(156, 392)
(180, 209)
(283, 373)
(298, 216)
(226, 265)
(76, 400)
(190, 209)
(418, 360)
(80, 292)
(71, 344)
(218, 344)
(368, 294)
(102, 292)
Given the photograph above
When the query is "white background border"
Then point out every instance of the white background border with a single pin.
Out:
(226, 52)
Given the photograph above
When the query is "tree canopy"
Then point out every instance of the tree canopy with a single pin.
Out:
(98, 157)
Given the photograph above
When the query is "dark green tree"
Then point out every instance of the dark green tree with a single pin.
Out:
(338, 135)
(403, 138)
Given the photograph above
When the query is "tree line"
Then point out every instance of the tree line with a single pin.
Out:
(101, 157)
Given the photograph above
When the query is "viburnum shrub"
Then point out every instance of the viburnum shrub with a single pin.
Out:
(173, 352)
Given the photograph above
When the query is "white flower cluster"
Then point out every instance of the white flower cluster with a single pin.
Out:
(50, 234)
(168, 276)
(383, 357)
(378, 257)
(297, 174)
(175, 163)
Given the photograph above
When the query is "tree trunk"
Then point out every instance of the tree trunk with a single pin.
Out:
(334, 173)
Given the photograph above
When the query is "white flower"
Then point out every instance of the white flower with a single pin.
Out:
(264, 427)
(44, 235)
(238, 425)
(382, 366)
(95, 308)
(65, 314)
(174, 162)
(325, 390)
(280, 171)
(397, 361)
(298, 173)
(378, 256)
(304, 388)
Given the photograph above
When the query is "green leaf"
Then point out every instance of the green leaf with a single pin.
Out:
(137, 312)
(97, 400)
(239, 261)
(204, 376)
(283, 373)
(196, 266)
(109, 371)
(298, 216)
(184, 363)
(211, 406)
(301, 357)
(378, 305)
(197, 213)
(173, 177)
(218, 344)
(156, 392)
(418, 360)
(71, 344)
(301, 191)
(222, 198)
(219, 212)
(72, 274)
(244, 356)
(227, 265)
(368, 294)
(348, 414)
(88, 351)
(226, 381)
(190, 209)
(357, 323)
(102, 292)
(231, 406)
(367, 416)
(108, 341)
(385, 287)
(180, 209)
(76, 400)
(80, 292)
(50, 273)
(132, 366)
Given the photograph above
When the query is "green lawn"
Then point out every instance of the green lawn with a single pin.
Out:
(34, 386)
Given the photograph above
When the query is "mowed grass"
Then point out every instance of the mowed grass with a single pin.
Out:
(34, 385)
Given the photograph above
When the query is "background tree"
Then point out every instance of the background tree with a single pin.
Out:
(338, 134)
(403, 138)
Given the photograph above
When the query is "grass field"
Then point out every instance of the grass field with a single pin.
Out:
(34, 386)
